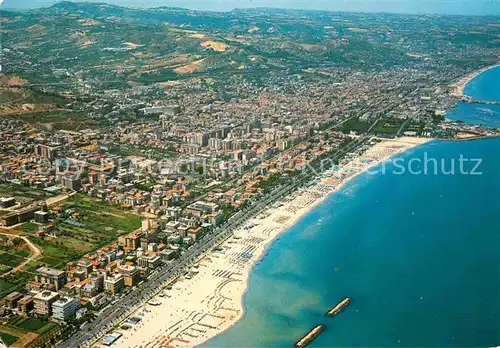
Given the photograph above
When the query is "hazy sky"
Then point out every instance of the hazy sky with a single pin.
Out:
(400, 6)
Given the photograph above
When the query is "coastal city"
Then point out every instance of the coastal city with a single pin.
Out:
(140, 183)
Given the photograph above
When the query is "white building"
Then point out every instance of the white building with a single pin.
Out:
(65, 308)
(152, 110)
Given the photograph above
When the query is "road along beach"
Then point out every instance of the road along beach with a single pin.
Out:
(209, 298)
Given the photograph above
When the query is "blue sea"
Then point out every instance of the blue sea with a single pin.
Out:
(418, 254)
(485, 86)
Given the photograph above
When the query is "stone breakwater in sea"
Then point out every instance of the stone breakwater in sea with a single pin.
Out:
(417, 254)
(209, 299)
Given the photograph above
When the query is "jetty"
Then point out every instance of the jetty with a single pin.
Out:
(470, 100)
(311, 335)
(338, 307)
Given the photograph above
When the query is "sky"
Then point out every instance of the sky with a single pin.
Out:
(473, 7)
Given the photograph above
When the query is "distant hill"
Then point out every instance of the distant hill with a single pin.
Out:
(105, 42)
(463, 7)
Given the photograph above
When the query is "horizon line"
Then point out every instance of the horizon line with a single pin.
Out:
(90, 2)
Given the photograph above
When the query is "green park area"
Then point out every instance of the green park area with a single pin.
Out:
(355, 125)
(388, 127)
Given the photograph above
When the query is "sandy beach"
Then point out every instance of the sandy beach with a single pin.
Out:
(460, 85)
(208, 299)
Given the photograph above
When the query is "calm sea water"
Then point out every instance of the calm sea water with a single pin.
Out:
(418, 254)
(486, 86)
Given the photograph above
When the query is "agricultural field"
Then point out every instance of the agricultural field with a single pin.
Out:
(58, 119)
(11, 257)
(83, 224)
(8, 339)
(13, 252)
(94, 221)
(18, 280)
(26, 329)
(23, 192)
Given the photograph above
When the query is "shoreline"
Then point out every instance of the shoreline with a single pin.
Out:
(459, 87)
(308, 209)
(210, 298)
(472, 138)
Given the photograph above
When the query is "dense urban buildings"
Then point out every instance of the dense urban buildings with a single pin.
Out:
(123, 163)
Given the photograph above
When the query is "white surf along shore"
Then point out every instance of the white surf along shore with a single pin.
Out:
(209, 300)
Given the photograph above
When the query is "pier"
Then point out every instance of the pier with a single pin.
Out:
(338, 307)
(311, 335)
(470, 100)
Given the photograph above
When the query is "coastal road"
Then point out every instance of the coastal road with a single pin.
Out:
(116, 313)
(130, 302)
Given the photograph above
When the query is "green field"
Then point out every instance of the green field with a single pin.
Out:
(6, 287)
(388, 127)
(84, 224)
(10, 257)
(18, 326)
(18, 280)
(355, 125)
(59, 119)
(29, 227)
(8, 339)
(416, 127)
(21, 191)
(30, 324)
(97, 222)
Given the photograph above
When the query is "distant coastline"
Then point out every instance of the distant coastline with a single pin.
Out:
(460, 85)
(468, 137)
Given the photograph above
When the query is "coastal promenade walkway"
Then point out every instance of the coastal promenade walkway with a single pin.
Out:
(207, 298)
